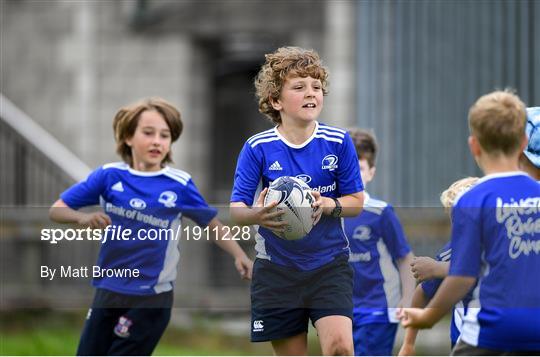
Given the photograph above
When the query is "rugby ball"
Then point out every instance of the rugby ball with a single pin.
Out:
(295, 199)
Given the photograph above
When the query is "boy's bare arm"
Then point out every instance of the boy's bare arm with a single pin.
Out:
(408, 282)
(243, 264)
(62, 213)
(419, 300)
(351, 205)
(426, 268)
(258, 214)
(452, 290)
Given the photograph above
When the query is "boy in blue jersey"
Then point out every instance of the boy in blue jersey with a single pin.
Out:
(495, 240)
(430, 273)
(381, 258)
(529, 160)
(307, 279)
(139, 196)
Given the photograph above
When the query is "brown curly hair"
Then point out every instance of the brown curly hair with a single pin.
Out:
(127, 118)
(284, 62)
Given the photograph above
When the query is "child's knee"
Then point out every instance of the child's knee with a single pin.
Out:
(339, 346)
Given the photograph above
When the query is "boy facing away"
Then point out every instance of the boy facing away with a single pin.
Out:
(495, 240)
(380, 257)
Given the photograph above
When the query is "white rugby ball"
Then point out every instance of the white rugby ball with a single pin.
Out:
(295, 199)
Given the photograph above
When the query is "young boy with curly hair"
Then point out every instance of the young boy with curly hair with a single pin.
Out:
(310, 278)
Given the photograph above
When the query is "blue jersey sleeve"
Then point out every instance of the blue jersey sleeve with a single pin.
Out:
(195, 207)
(85, 193)
(430, 287)
(349, 179)
(393, 235)
(247, 176)
(466, 241)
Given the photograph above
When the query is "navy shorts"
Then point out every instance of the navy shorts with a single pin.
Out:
(375, 339)
(283, 299)
(120, 324)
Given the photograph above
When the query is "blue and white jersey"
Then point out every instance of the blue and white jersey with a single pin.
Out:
(377, 241)
(145, 203)
(430, 287)
(327, 162)
(496, 238)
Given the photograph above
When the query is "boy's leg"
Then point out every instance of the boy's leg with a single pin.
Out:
(277, 313)
(375, 339)
(138, 331)
(97, 334)
(335, 335)
(291, 346)
(331, 307)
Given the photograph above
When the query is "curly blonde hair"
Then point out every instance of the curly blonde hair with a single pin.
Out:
(448, 197)
(127, 118)
(284, 62)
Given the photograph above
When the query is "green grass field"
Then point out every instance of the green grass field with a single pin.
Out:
(35, 332)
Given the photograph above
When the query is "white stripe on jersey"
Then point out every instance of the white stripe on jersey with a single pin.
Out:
(392, 283)
(376, 210)
(176, 178)
(180, 173)
(260, 246)
(116, 165)
(459, 314)
(322, 131)
(471, 327)
(261, 134)
(257, 142)
(327, 138)
(327, 127)
(172, 256)
(445, 256)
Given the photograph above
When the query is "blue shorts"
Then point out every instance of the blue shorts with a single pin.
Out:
(283, 299)
(375, 339)
(120, 324)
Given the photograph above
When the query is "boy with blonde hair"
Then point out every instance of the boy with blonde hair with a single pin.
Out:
(430, 272)
(380, 257)
(495, 240)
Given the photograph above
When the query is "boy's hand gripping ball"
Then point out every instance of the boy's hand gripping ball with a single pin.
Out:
(295, 199)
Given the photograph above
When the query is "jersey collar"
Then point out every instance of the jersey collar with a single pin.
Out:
(501, 175)
(299, 146)
(148, 173)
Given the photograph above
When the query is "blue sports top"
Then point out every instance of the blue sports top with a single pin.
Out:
(377, 241)
(327, 162)
(430, 287)
(496, 238)
(141, 201)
